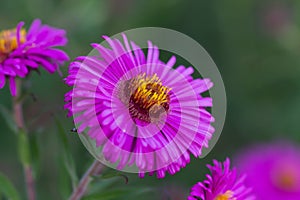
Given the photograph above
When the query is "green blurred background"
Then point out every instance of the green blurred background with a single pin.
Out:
(255, 44)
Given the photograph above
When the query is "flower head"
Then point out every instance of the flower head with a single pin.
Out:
(22, 51)
(273, 170)
(139, 110)
(222, 184)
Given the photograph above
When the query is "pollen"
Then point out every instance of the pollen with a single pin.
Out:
(146, 97)
(228, 195)
(9, 42)
(149, 92)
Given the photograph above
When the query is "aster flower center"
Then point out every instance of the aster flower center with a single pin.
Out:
(228, 195)
(9, 42)
(286, 180)
(147, 99)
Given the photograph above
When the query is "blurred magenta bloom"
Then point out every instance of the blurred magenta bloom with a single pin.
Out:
(21, 52)
(142, 111)
(222, 184)
(273, 170)
(171, 191)
(276, 17)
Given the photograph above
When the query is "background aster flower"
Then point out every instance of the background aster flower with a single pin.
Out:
(222, 184)
(21, 51)
(273, 170)
(139, 110)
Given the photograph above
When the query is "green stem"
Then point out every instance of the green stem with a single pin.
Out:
(24, 152)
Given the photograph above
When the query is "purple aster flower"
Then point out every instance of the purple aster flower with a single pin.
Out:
(139, 110)
(21, 51)
(272, 170)
(222, 184)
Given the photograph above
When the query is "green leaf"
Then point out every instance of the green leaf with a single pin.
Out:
(7, 188)
(24, 96)
(70, 167)
(119, 193)
(35, 152)
(98, 185)
(8, 117)
(23, 148)
(62, 134)
(67, 156)
(107, 195)
(113, 174)
(64, 184)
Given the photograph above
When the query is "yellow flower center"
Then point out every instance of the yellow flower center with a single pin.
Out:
(8, 41)
(228, 195)
(145, 97)
(149, 92)
(286, 180)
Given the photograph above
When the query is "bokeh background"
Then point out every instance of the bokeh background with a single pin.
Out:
(255, 44)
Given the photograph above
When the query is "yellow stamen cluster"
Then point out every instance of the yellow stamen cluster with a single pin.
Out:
(8, 40)
(145, 97)
(228, 195)
(149, 91)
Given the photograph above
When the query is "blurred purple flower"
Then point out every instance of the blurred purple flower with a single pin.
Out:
(21, 52)
(222, 184)
(140, 110)
(276, 17)
(273, 170)
(171, 191)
